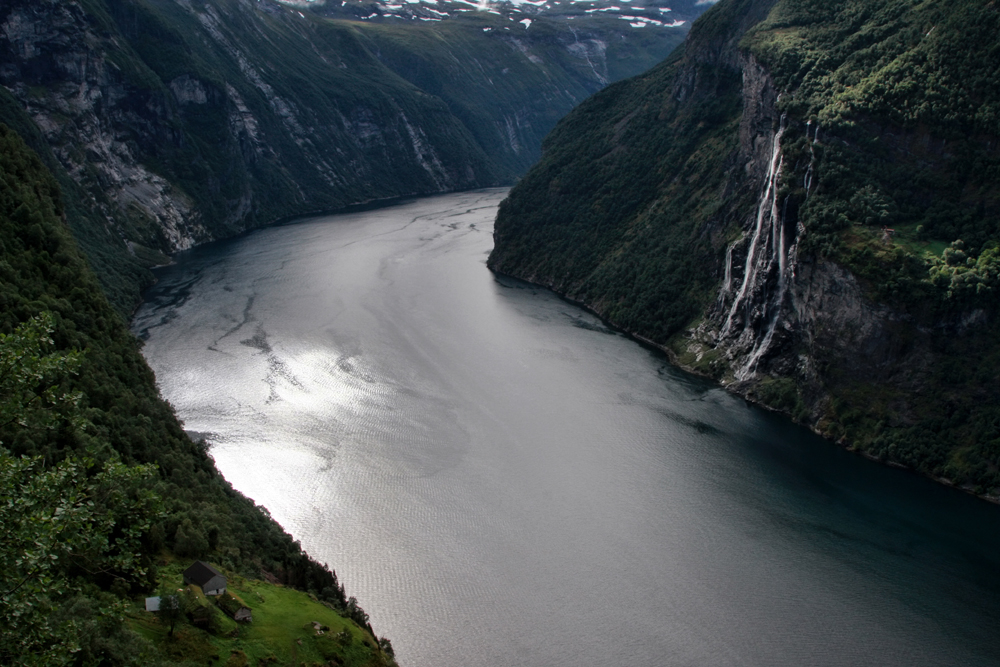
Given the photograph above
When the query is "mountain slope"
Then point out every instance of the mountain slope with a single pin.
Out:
(803, 204)
(180, 122)
(41, 270)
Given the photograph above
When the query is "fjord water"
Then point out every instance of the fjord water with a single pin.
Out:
(503, 481)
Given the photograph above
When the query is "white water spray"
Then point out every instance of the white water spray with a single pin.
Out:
(768, 251)
(808, 179)
(767, 211)
(765, 343)
(727, 282)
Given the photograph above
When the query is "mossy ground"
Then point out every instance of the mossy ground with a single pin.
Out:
(698, 357)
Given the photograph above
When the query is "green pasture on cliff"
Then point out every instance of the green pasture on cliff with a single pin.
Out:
(283, 630)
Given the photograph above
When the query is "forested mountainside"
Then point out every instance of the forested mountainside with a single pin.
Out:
(173, 122)
(804, 203)
(111, 483)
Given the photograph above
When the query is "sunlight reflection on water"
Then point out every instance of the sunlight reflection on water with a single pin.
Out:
(501, 480)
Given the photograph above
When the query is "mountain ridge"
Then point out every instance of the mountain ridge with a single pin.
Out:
(818, 247)
(182, 122)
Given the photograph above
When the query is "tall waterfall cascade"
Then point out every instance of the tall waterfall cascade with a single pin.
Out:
(755, 310)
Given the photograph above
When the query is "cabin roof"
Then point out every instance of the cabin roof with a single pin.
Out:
(201, 573)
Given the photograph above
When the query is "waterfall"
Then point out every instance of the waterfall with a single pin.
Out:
(767, 211)
(808, 179)
(766, 260)
(775, 315)
(727, 282)
(774, 307)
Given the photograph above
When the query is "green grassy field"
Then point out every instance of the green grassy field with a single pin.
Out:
(283, 630)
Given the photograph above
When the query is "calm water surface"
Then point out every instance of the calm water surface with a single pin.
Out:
(502, 481)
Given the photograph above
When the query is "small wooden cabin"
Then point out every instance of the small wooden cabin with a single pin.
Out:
(235, 607)
(206, 577)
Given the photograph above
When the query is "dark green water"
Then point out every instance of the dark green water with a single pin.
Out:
(501, 480)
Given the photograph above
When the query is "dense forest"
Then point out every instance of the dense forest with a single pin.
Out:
(852, 285)
(97, 479)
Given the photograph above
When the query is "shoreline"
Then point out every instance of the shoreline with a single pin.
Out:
(733, 389)
(357, 207)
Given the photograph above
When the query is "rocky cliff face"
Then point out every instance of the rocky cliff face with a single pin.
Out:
(111, 118)
(801, 332)
(55, 66)
(786, 213)
(188, 121)
(760, 264)
(780, 313)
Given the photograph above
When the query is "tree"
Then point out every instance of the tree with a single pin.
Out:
(171, 610)
(189, 540)
(65, 526)
(30, 395)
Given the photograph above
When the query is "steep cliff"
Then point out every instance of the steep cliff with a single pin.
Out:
(827, 246)
(180, 122)
(636, 186)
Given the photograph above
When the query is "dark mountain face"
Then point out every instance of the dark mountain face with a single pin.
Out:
(172, 123)
(804, 205)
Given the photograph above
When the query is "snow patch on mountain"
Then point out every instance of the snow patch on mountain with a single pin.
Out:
(525, 12)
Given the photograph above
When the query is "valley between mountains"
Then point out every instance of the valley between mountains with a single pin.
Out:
(796, 199)
(174, 123)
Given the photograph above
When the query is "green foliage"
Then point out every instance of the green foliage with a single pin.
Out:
(67, 524)
(30, 392)
(64, 526)
(890, 273)
(904, 117)
(96, 424)
(170, 611)
(926, 63)
(609, 215)
(890, 110)
(190, 540)
(967, 279)
(781, 394)
(949, 428)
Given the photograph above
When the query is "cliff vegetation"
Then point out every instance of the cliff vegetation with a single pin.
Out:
(802, 203)
(98, 482)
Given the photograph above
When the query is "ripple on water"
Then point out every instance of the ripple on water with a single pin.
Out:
(501, 482)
